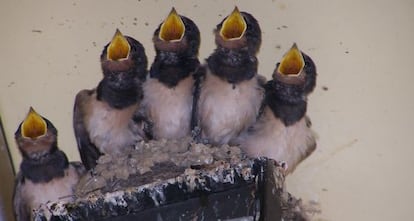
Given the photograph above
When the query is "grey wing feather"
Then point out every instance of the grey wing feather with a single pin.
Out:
(308, 121)
(262, 80)
(144, 126)
(89, 153)
(199, 76)
(262, 84)
(312, 138)
(79, 167)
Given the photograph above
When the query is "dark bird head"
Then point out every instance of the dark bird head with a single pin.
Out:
(293, 79)
(36, 136)
(178, 34)
(238, 39)
(124, 62)
(239, 30)
(176, 42)
(296, 69)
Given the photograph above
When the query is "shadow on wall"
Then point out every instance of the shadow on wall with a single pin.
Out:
(7, 177)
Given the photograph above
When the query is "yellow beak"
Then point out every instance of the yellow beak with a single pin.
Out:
(292, 62)
(173, 28)
(234, 26)
(34, 125)
(119, 47)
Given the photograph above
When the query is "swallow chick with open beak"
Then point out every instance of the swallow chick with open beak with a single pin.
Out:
(169, 90)
(231, 92)
(283, 131)
(45, 173)
(105, 119)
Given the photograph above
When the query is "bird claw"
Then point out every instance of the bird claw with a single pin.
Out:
(93, 172)
(196, 134)
(284, 165)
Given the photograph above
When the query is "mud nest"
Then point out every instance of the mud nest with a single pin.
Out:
(154, 161)
(167, 173)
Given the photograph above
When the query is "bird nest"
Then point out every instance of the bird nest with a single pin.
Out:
(179, 180)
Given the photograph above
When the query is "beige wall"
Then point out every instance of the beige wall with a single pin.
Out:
(49, 50)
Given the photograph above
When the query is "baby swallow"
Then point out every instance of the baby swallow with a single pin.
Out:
(168, 92)
(45, 173)
(283, 131)
(104, 119)
(231, 91)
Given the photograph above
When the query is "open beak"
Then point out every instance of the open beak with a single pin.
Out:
(173, 28)
(234, 26)
(34, 125)
(292, 62)
(119, 47)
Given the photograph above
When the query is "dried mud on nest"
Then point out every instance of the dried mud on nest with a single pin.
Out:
(154, 161)
(151, 163)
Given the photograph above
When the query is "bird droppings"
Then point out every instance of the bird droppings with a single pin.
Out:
(146, 23)
(37, 31)
(346, 52)
(116, 198)
(278, 47)
(280, 27)
(325, 88)
(11, 84)
(293, 209)
(282, 6)
(94, 44)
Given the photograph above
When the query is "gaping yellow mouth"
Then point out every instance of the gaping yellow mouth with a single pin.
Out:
(234, 26)
(119, 47)
(173, 28)
(34, 125)
(292, 62)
